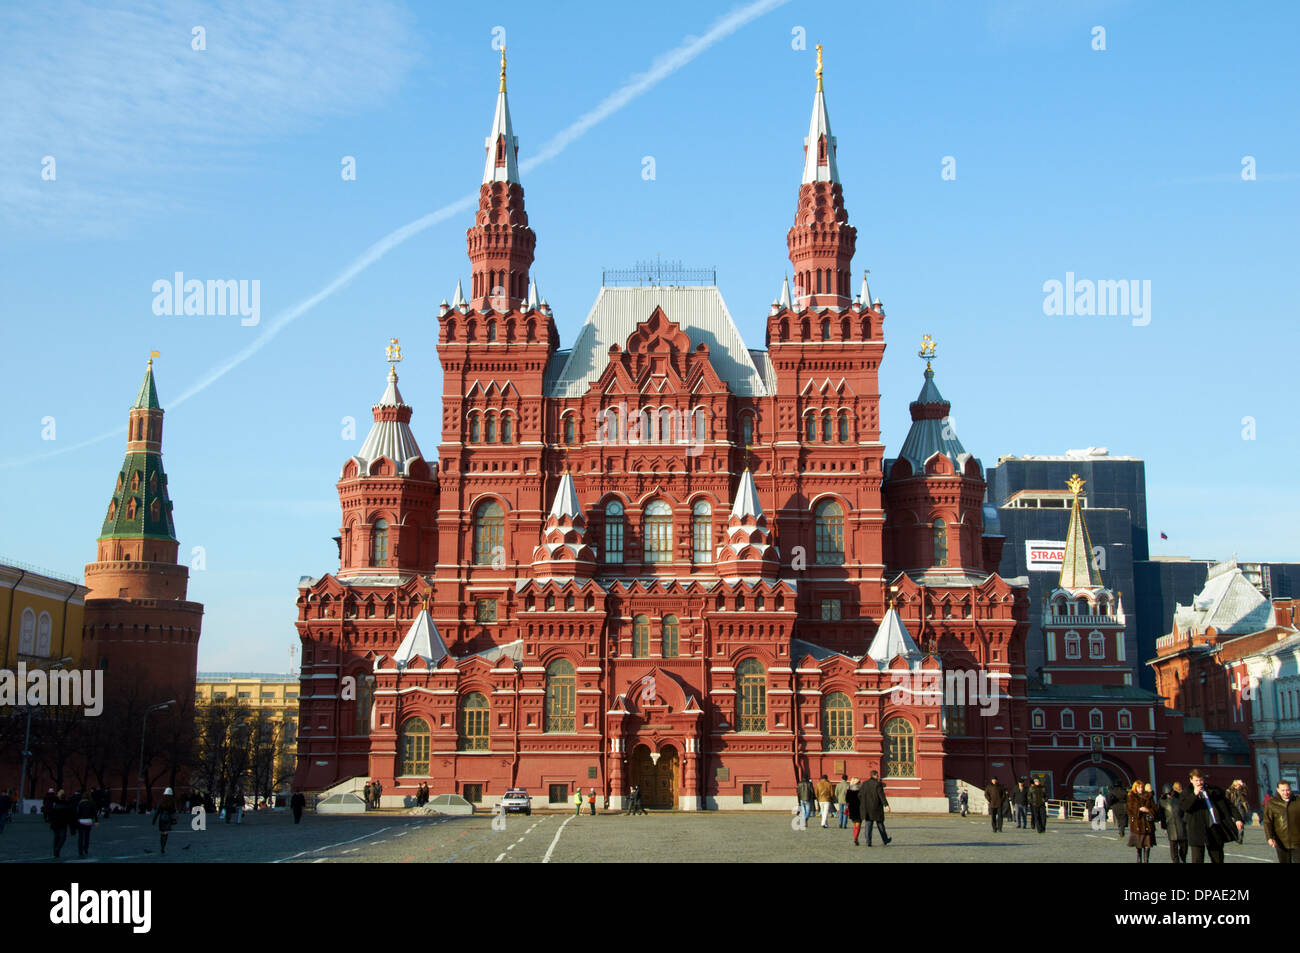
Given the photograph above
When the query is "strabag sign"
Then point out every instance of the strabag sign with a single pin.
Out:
(1044, 555)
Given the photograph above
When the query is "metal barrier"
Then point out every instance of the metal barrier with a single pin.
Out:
(1067, 810)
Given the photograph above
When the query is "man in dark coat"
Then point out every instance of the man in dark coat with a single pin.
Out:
(873, 806)
(1282, 824)
(1209, 819)
(1117, 801)
(1020, 797)
(805, 793)
(996, 795)
(1037, 796)
(853, 798)
(296, 804)
(61, 816)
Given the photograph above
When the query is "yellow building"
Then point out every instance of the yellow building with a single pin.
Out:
(276, 695)
(43, 616)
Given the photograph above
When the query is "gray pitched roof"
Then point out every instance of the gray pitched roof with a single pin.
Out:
(422, 641)
(931, 432)
(701, 314)
(391, 439)
(892, 639)
(1228, 603)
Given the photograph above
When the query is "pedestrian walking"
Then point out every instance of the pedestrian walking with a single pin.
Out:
(841, 796)
(379, 793)
(1098, 812)
(1282, 824)
(825, 797)
(47, 803)
(964, 800)
(591, 800)
(1238, 796)
(1208, 817)
(86, 812)
(296, 804)
(806, 796)
(1141, 805)
(577, 799)
(60, 818)
(1118, 801)
(1171, 819)
(853, 802)
(164, 815)
(239, 806)
(1037, 798)
(366, 794)
(996, 795)
(874, 806)
(6, 808)
(1021, 799)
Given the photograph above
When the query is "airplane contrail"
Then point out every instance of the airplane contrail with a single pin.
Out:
(662, 67)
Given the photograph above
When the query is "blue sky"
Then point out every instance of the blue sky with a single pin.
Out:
(225, 163)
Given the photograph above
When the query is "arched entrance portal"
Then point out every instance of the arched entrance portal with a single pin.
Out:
(1091, 778)
(659, 783)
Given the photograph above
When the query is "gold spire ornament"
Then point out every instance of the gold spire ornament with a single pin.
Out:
(929, 350)
(819, 67)
(394, 351)
(1075, 484)
(503, 68)
(152, 355)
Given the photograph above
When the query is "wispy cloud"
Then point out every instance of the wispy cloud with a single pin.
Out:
(119, 97)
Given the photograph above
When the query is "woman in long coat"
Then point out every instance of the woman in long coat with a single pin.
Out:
(1141, 806)
(853, 797)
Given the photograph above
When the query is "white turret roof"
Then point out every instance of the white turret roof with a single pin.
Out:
(391, 439)
(458, 299)
(892, 639)
(746, 498)
(534, 299)
(509, 172)
(865, 294)
(566, 499)
(784, 300)
(813, 170)
(422, 641)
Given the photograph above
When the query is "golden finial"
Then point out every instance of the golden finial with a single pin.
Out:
(394, 351)
(748, 448)
(152, 355)
(503, 68)
(428, 594)
(929, 350)
(1075, 484)
(819, 67)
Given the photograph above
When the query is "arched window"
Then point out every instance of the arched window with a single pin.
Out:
(811, 429)
(940, 535)
(43, 628)
(489, 532)
(1125, 720)
(472, 721)
(828, 433)
(1067, 719)
(1094, 720)
(844, 426)
(746, 430)
(507, 428)
(900, 749)
(491, 428)
(658, 532)
(415, 747)
(570, 429)
(702, 532)
(491, 331)
(1072, 645)
(701, 425)
(27, 633)
(826, 322)
(613, 532)
(670, 638)
(641, 637)
(830, 534)
(475, 434)
(1096, 645)
(666, 420)
(379, 548)
(1038, 719)
(561, 689)
(611, 425)
(751, 696)
(837, 722)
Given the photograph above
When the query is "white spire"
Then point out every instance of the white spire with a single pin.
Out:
(388, 438)
(818, 167)
(392, 396)
(865, 294)
(502, 163)
(784, 300)
(566, 499)
(422, 641)
(458, 299)
(746, 498)
(534, 302)
(892, 639)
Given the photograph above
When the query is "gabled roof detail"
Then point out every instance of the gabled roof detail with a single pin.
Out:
(1229, 603)
(566, 499)
(422, 641)
(747, 503)
(892, 640)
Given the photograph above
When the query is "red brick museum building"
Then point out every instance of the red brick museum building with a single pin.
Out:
(661, 557)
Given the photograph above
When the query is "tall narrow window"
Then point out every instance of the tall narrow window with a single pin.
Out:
(415, 747)
(641, 637)
(844, 426)
(489, 532)
(658, 532)
(827, 433)
(379, 551)
(900, 749)
(940, 542)
(507, 428)
(837, 722)
(1072, 645)
(701, 425)
(474, 432)
(670, 638)
(1096, 645)
(613, 532)
(561, 692)
(751, 696)
(746, 430)
(830, 533)
(570, 429)
(812, 427)
(491, 428)
(702, 532)
(473, 723)
(491, 331)
(826, 322)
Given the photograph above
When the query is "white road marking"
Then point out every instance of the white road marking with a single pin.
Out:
(551, 849)
(304, 853)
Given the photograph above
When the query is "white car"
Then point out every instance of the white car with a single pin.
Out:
(515, 801)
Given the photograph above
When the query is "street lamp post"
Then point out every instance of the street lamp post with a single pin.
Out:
(27, 739)
(143, 727)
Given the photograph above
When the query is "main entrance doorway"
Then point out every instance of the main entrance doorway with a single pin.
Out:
(658, 782)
